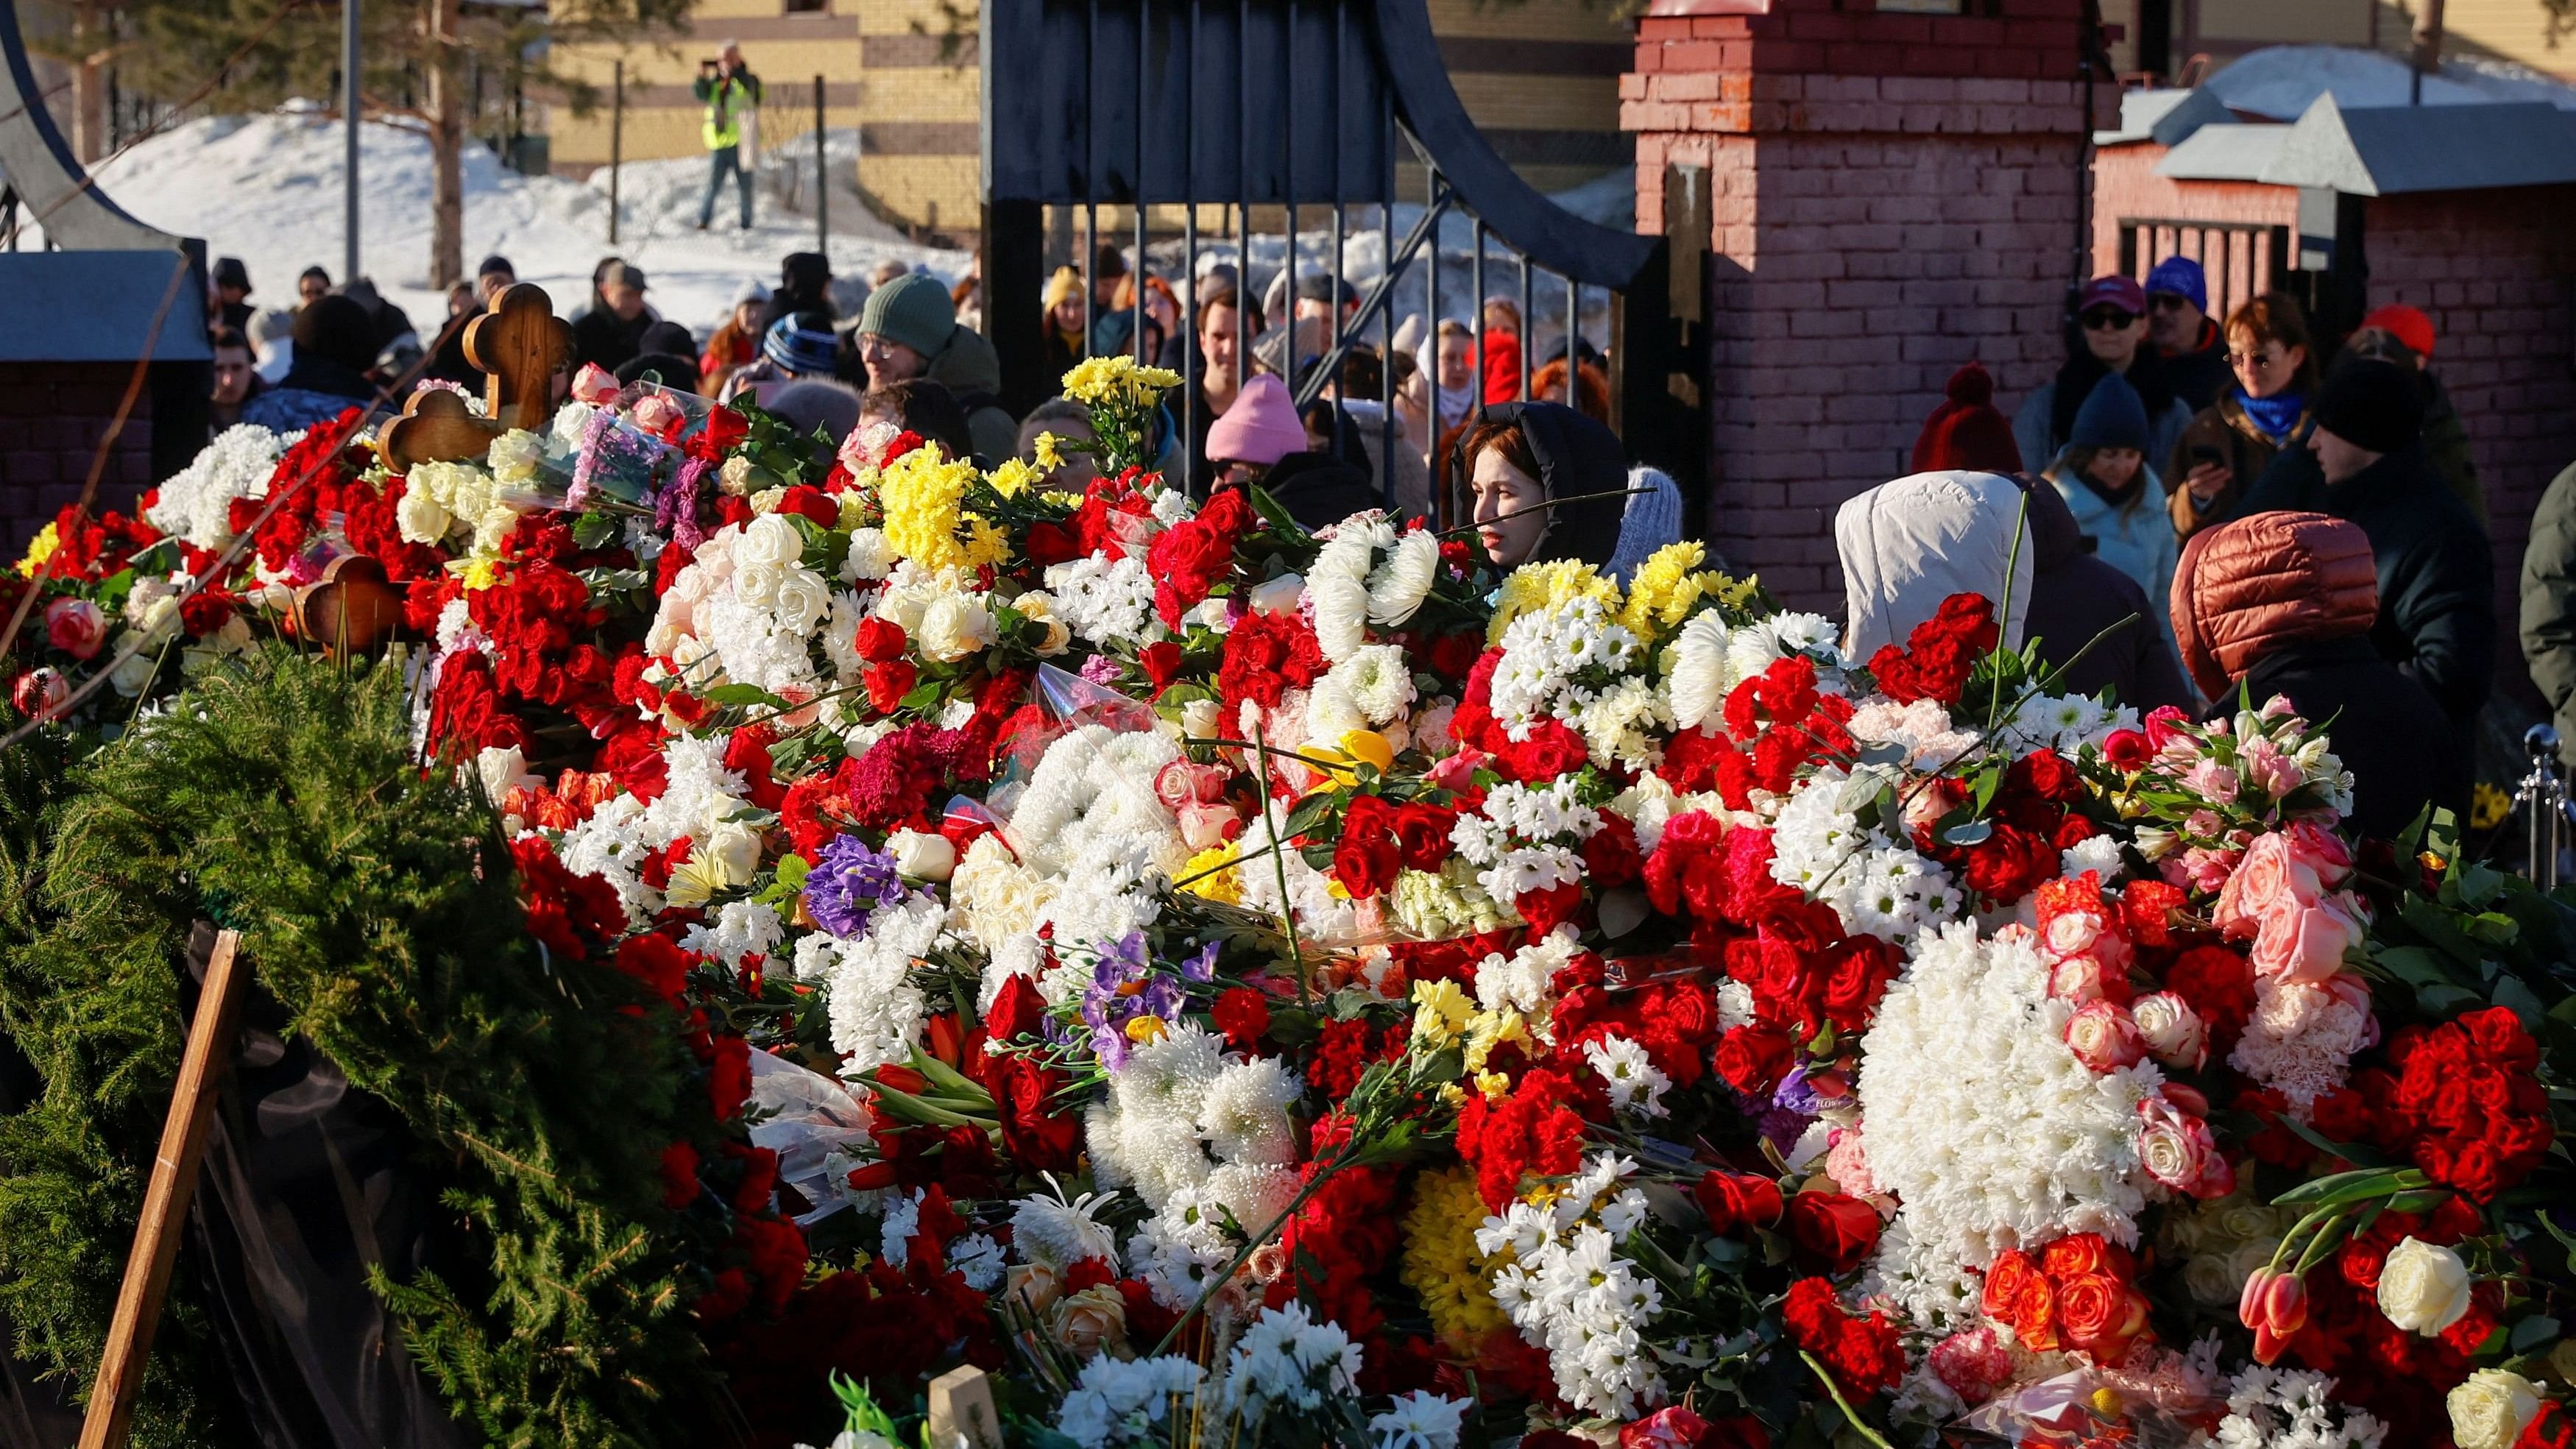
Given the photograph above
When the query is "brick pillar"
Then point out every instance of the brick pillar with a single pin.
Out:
(52, 415)
(1891, 195)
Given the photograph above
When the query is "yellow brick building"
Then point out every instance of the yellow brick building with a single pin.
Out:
(2515, 30)
(1541, 77)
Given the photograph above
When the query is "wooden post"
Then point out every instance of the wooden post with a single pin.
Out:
(961, 1411)
(208, 1055)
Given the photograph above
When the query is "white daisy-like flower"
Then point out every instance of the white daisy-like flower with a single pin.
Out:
(1398, 586)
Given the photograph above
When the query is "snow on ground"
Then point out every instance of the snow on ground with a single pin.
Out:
(267, 189)
(2281, 81)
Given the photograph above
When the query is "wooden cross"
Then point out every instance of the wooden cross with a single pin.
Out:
(523, 345)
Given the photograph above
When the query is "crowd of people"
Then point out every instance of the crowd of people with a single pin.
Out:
(2189, 499)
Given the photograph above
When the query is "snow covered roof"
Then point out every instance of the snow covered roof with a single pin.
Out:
(2390, 150)
(2165, 117)
(2282, 81)
(2224, 153)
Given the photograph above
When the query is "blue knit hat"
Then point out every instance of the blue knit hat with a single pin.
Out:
(2182, 277)
(2113, 416)
(801, 344)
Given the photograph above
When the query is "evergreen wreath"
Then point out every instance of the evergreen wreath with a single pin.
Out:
(376, 901)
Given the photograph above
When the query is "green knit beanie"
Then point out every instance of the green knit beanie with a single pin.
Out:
(914, 310)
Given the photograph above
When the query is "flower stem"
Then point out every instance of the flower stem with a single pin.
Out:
(1850, 1414)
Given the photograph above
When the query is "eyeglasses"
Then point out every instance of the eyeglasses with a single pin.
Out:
(2168, 301)
(2102, 319)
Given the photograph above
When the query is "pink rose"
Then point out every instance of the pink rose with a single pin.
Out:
(2306, 943)
(595, 385)
(2322, 851)
(658, 415)
(2211, 781)
(2199, 868)
(1457, 773)
(2177, 1150)
(1204, 827)
(2080, 979)
(39, 690)
(2104, 1036)
(2270, 874)
(2174, 1033)
(76, 627)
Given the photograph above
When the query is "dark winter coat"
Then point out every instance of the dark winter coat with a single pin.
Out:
(2201, 376)
(2446, 447)
(2402, 751)
(314, 390)
(2436, 574)
(2549, 599)
(1319, 489)
(606, 339)
(2076, 597)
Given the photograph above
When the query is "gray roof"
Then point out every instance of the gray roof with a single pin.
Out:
(97, 307)
(2224, 153)
(2391, 150)
(2166, 117)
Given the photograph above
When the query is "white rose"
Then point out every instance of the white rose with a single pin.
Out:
(135, 670)
(770, 539)
(736, 849)
(953, 627)
(2423, 1287)
(734, 478)
(2211, 1281)
(148, 590)
(2488, 1411)
(160, 618)
(1279, 595)
(801, 599)
(757, 583)
(501, 769)
(422, 518)
(2174, 1032)
(870, 557)
(920, 855)
(1199, 719)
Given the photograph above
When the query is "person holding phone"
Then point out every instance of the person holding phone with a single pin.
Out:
(2229, 443)
(727, 88)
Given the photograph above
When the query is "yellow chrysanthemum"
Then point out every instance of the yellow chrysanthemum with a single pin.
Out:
(2488, 806)
(1440, 1012)
(1222, 880)
(1544, 586)
(1441, 1264)
(1014, 476)
(1665, 587)
(1490, 1029)
(41, 549)
(1050, 452)
(481, 574)
(925, 517)
(1117, 382)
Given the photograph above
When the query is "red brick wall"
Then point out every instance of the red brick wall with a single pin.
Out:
(2125, 183)
(1892, 195)
(2494, 270)
(52, 415)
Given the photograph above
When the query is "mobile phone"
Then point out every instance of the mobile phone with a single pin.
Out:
(2207, 454)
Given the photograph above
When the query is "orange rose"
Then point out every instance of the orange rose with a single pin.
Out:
(2101, 1315)
(2004, 1282)
(2077, 1255)
(2034, 1315)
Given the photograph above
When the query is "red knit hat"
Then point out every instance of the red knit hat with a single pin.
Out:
(1965, 433)
(2407, 324)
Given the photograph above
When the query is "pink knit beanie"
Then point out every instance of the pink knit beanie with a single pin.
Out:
(1260, 428)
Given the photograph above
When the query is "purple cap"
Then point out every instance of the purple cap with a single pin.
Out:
(2116, 291)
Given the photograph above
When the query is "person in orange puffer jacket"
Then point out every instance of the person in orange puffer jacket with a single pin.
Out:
(2281, 604)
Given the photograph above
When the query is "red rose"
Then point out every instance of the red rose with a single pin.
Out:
(1161, 661)
(1367, 858)
(1040, 1137)
(729, 1077)
(2006, 1277)
(818, 507)
(1243, 1014)
(1833, 1231)
(881, 640)
(2127, 750)
(1422, 835)
(1737, 1200)
(1551, 750)
(1753, 1059)
(1017, 1010)
(888, 683)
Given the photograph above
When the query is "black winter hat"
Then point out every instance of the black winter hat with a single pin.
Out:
(338, 329)
(2371, 404)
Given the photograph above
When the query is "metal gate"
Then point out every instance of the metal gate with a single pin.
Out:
(2319, 262)
(1290, 118)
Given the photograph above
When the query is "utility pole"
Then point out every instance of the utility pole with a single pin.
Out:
(616, 141)
(822, 179)
(349, 105)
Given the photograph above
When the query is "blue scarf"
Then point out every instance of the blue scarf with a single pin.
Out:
(2277, 416)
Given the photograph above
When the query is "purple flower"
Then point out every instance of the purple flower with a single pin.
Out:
(848, 884)
(1794, 1095)
(1100, 669)
(1200, 967)
(675, 509)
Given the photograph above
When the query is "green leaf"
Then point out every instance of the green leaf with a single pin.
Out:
(739, 696)
(1973, 832)
(2446, 1001)
(2416, 966)
(2514, 996)
(2342, 1187)
(2532, 1332)
(594, 530)
(2438, 926)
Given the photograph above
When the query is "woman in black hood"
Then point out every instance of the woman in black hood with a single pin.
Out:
(1516, 457)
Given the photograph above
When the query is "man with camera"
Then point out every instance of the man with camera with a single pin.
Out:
(727, 87)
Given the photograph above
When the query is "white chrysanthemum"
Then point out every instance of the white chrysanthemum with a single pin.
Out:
(1380, 682)
(1288, 1361)
(1697, 676)
(2272, 1408)
(1937, 1292)
(1091, 799)
(1630, 1076)
(1106, 602)
(1244, 1115)
(1519, 981)
(2099, 854)
(1988, 1130)
(742, 928)
(876, 1009)
(1398, 586)
(1055, 1233)
(1758, 645)
(196, 502)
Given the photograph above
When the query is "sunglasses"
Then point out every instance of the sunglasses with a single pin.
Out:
(2168, 301)
(2101, 319)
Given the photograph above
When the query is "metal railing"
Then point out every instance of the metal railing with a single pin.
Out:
(2242, 259)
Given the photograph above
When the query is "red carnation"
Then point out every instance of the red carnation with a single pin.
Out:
(1243, 1014)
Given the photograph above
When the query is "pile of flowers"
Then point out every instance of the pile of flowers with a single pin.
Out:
(1310, 988)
